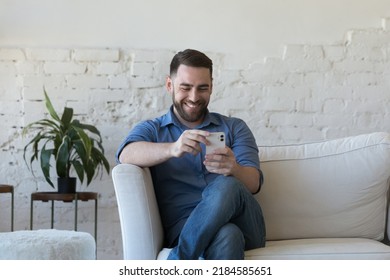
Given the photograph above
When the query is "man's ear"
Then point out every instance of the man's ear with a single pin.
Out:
(169, 84)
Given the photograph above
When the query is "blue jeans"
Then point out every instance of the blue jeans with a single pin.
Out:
(226, 222)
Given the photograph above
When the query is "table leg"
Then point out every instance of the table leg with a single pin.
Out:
(75, 213)
(12, 210)
(52, 214)
(31, 213)
(96, 208)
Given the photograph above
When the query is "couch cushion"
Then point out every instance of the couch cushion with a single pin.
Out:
(317, 248)
(330, 189)
(322, 249)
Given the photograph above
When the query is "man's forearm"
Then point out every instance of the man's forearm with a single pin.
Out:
(145, 154)
(249, 176)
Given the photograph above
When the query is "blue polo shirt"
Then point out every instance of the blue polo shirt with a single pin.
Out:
(179, 182)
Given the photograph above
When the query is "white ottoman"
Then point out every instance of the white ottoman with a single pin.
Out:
(47, 244)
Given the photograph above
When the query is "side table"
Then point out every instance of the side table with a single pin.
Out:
(9, 189)
(64, 197)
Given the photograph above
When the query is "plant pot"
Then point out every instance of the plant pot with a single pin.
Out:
(66, 185)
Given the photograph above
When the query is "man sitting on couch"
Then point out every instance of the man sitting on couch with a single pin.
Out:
(206, 202)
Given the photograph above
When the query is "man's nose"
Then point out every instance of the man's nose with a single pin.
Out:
(193, 95)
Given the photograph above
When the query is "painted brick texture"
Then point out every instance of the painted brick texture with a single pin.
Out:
(309, 93)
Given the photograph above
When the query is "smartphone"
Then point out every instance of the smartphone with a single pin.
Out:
(217, 140)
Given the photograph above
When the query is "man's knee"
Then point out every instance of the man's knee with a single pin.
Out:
(225, 186)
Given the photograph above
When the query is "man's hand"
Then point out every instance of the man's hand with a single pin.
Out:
(189, 142)
(221, 161)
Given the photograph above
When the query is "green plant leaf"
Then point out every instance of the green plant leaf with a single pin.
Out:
(90, 171)
(79, 169)
(89, 127)
(50, 107)
(43, 124)
(66, 118)
(62, 158)
(85, 140)
(33, 142)
(100, 158)
(45, 163)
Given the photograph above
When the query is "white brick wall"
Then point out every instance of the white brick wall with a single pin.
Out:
(311, 92)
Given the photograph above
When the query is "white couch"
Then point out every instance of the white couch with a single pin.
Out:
(323, 200)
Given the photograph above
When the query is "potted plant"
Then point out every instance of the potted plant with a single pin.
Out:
(73, 145)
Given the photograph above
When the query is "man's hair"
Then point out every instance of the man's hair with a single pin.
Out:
(192, 58)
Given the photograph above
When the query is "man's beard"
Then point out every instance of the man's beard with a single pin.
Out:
(190, 117)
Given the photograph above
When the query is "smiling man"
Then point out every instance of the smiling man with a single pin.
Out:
(206, 201)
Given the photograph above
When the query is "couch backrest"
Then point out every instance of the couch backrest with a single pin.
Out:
(335, 188)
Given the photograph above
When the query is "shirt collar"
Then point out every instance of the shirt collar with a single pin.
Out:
(170, 118)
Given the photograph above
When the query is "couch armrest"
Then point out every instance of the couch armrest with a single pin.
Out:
(388, 214)
(142, 232)
(388, 225)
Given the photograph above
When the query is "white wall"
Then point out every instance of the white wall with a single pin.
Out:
(248, 28)
(306, 72)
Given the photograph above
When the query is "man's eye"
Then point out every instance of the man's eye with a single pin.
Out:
(185, 88)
